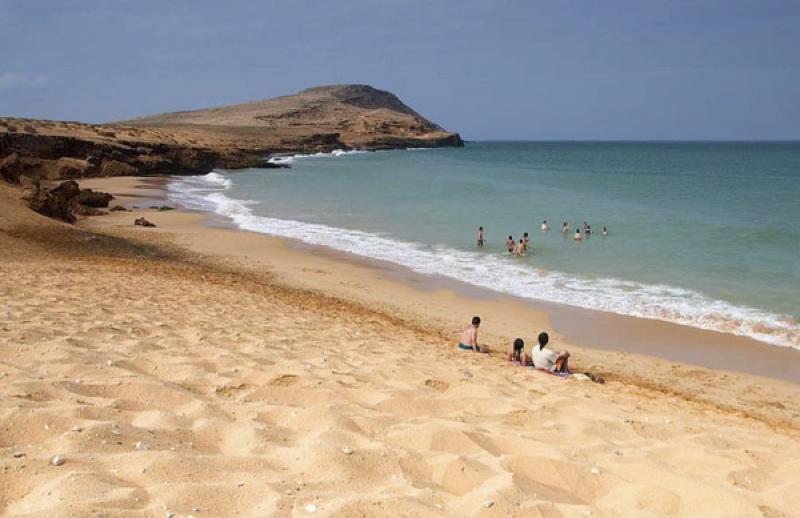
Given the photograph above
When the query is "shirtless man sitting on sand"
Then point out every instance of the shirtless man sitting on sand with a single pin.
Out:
(469, 338)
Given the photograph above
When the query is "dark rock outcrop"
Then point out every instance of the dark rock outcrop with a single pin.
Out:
(58, 202)
(90, 198)
(65, 200)
(141, 222)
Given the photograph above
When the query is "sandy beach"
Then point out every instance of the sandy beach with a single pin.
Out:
(192, 369)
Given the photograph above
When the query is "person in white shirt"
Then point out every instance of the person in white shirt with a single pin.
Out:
(546, 359)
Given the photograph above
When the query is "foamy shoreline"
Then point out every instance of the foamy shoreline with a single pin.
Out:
(582, 327)
(656, 302)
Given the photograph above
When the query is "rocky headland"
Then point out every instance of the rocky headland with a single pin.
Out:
(319, 119)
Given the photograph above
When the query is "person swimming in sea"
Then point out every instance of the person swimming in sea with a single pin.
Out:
(519, 249)
(525, 240)
(480, 237)
(605, 231)
(588, 229)
(578, 236)
(565, 227)
(545, 226)
(510, 244)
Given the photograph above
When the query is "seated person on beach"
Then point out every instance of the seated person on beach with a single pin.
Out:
(516, 354)
(469, 338)
(548, 360)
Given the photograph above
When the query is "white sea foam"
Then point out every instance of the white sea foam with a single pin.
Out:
(500, 273)
(290, 159)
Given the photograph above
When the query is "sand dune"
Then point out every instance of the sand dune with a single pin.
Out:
(176, 383)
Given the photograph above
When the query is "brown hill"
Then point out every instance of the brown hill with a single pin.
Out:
(345, 115)
(243, 135)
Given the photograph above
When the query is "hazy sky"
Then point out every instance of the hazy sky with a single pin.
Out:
(604, 69)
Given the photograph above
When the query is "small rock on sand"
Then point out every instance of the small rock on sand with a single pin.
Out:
(488, 504)
(595, 471)
(347, 451)
(311, 508)
(141, 222)
(140, 445)
(57, 460)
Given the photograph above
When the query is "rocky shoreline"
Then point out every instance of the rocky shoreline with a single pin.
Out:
(234, 137)
(41, 154)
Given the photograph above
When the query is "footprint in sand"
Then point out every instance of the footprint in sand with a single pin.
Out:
(439, 385)
(285, 380)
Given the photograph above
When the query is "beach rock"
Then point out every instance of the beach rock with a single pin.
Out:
(90, 198)
(66, 168)
(58, 202)
(118, 208)
(595, 471)
(66, 200)
(311, 508)
(347, 451)
(11, 168)
(57, 460)
(18, 454)
(140, 446)
(143, 223)
(116, 168)
(488, 504)
(76, 428)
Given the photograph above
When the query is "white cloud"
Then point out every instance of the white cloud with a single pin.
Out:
(10, 81)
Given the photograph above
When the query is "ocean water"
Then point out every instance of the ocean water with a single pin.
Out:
(702, 234)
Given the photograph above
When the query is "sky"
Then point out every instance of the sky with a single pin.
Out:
(539, 70)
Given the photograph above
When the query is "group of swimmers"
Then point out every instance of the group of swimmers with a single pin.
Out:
(521, 248)
(585, 229)
(540, 356)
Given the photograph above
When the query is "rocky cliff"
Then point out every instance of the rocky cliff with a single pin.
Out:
(195, 142)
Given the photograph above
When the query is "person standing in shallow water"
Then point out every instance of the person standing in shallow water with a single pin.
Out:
(510, 244)
(480, 237)
(525, 240)
(578, 236)
(565, 227)
(545, 226)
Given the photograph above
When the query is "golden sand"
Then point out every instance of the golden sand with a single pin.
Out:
(202, 371)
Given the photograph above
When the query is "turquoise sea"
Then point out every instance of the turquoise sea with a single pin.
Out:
(704, 234)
